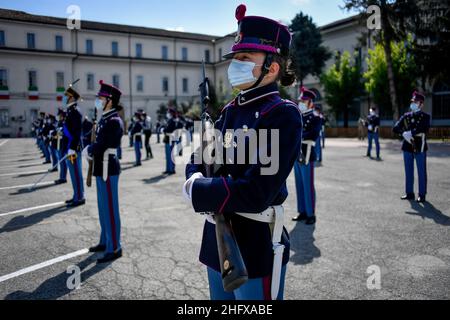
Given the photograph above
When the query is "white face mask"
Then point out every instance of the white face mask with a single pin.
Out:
(372, 113)
(414, 107)
(241, 72)
(99, 105)
(303, 107)
(169, 116)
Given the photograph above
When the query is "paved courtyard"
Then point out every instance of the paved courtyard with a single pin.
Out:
(361, 225)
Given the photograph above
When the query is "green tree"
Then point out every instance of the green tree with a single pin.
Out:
(307, 52)
(393, 13)
(342, 84)
(429, 22)
(405, 72)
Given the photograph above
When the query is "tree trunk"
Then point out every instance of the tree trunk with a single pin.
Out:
(387, 41)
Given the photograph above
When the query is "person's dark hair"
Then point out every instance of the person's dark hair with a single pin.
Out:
(286, 77)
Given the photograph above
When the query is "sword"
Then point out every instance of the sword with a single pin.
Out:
(49, 171)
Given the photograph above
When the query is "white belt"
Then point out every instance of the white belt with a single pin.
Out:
(421, 135)
(106, 155)
(310, 144)
(274, 216)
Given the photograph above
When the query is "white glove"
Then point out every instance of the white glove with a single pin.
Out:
(370, 128)
(408, 136)
(85, 154)
(71, 152)
(189, 184)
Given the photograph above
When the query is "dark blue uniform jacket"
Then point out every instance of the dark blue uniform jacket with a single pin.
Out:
(241, 187)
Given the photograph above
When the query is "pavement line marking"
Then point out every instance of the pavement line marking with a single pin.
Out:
(44, 265)
(22, 173)
(3, 142)
(56, 204)
(48, 183)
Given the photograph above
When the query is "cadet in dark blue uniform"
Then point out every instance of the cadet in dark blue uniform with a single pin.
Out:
(318, 147)
(52, 145)
(304, 167)
(250, 198)
(61, 145)
(107, 170)
(413, 127)
(46, 138)
(41, 137)
(136, 133)
(373, 127)
(72, 131)
(169, 140)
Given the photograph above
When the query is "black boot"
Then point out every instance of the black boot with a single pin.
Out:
(300, 217)
(99, 248)
(409, 196)
(110, 257)
(76, 203)
(311, 220)
(421, 199)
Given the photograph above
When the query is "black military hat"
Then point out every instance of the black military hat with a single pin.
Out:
(109, 91)
(306, 94)
(71, 92)
(260, 34)
(418, 97)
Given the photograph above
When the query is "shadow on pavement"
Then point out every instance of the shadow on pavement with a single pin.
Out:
(156, 179)
(302, 244)
(22, 222)
(56, 287)
(428, 211)
(27, 190)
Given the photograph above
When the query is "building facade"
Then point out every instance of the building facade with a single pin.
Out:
(40, 56)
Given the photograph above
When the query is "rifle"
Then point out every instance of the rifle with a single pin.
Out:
(232, 266)
(91, 162)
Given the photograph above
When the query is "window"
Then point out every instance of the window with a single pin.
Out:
(165, 52)
(116, 81)
(138, 50)
(185, 85)
(60, 80)
(32, 79)
(165, 85)
(90, 81)
(59, 43)
(220, 54)
(4, 118)
(441, 101)
(89, 46)
(2, 38)
(3, 78)
(140, 83)
(115, 48)
(207, 56)
(184, 54)
(31, 41)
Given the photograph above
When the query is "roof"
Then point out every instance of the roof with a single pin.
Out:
(340, 23)
(21, 16)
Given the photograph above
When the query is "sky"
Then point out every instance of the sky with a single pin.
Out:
(214, 17)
